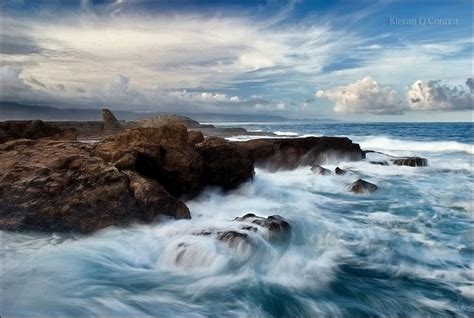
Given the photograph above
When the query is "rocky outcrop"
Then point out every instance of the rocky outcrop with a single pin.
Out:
(163, 154)
(320, 170)
(34, 129)
(410, 161)
(154, 122)
(290, 153)
(59, 186)
(362, 186)
(195, 137)
(109, 122)
(225, 164)
(278, 229)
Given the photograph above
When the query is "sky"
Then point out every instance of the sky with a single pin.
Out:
(367, 60)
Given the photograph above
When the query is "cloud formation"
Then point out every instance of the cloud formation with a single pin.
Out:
(368, 96)
(436, 96)
(364, 96)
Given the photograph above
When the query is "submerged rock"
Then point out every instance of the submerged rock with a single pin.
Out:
(34, 129)
(340, 171)
(59, 186)
(410, 161)
(320, 170)
(279, 230)
(362, 186)
(289, 153)
(379, 163)
(226, 164)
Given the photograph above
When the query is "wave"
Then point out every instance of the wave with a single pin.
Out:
(392, 144)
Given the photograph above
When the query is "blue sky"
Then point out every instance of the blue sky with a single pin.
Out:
(352, 60)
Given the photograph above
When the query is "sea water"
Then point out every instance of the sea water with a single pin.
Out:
(403, 251)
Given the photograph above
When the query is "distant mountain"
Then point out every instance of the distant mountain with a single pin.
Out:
(16, 111)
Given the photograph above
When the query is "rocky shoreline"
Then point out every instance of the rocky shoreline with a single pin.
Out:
(139, 173)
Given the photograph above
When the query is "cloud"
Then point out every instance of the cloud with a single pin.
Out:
(440, 97)
(364, 96)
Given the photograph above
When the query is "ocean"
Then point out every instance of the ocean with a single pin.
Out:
(403, 251)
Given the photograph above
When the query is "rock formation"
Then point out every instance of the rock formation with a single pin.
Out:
(320, 170)
(59, 186)
(340, 171)
(290, 153)
(410, 161)
(362, 186)
(33, 129)
(109, 122)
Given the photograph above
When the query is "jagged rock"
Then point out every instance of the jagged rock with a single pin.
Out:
(362, 186)
(226, 164)
(410, 161)
(289, 153)
(340, 171)
(34, 129)
(59, 186)
(320, 170)
(163, 154)
(195, 137)
(109, 122)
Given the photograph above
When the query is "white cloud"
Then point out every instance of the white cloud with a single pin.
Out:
(437, 96)
(364, 96)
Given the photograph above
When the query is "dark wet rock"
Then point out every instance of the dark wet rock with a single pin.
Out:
(279, 230)
(362, 186)
(289, 153)
(320, 170)
(34, 129)
(163, 154)
(340, 171)
(379, 163)
(233, 238)
(225, 164)
(109, 121)
(410, 161)
(58, 186)
(195, 137)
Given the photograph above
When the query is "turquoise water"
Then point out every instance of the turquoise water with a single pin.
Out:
(403, 251)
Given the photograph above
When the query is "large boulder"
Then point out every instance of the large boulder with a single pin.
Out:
(226, 164)
(410, 161)
(195, 137)
(34, 129)
(289, 153)
(163, 154)
(59, 186)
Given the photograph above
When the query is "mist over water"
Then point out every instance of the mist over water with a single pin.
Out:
(403, 251)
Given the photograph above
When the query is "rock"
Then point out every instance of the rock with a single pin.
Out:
(410, 161)
(362, 186)
(289, 153)
(34, 129)
(340, 171)
(379, 163)
(279, 230)
(225, 164)
(163, 154)
(109, 122)
(195, 137)
(58, 186)
(233, 238)
(320, 170)
(154, 122)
